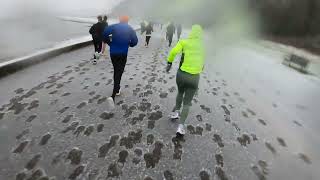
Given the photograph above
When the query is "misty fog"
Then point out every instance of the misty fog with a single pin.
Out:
(16, 8)
(255, 114)
(227, 22)
(30, 25)
(36, 21)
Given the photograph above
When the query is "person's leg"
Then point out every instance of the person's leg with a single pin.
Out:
(116, 74)
(103, 47)
(179, 99)
(186, 105)
(190, 90)
(95, 47)
(115, 59)
(119, 64)
(99, 46)
(148, 40)
(181, 92)
(170, 39)
(123, 62)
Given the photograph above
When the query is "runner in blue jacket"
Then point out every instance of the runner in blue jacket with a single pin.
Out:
(123, 37)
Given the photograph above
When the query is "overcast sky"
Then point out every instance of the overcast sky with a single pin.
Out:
(9, 8)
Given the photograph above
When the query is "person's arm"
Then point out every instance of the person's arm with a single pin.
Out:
(173, 53)
(91, 31)
(106, 34)
(103, 47)
(176, 50)
(133, 38)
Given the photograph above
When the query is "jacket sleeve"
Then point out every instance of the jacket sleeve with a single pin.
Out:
(176, 50)
(91, 31)
(133, 38)
(106, 34)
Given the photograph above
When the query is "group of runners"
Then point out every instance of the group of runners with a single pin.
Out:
(121, 36)
(171, 29)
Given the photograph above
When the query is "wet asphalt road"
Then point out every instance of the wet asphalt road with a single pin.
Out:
(252, 120)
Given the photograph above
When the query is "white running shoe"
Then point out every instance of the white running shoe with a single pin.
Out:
(180, 130)
(94, 62)
(97, 55)
(110, 103)
(174, 115)
(119, 93)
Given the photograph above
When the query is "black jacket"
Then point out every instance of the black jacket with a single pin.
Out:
(97, 30)
(171, 29)
(105, 24)
(149, 29)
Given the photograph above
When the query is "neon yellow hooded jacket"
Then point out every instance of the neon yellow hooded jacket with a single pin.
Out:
(193, 51)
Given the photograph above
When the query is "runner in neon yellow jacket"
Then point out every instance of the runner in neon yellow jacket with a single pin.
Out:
(191, 65)
(192, 50)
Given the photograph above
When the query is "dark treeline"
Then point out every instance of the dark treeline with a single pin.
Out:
(292, 18)
(288, 17)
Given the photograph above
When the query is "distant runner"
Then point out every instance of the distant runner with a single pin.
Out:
(191, 66)
(96, 32)
(179, 31)
(105, 25)
(149, 30)
(123, 37)
(142, 27)
(170, 31)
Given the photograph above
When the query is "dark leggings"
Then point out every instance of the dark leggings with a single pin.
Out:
(119, 63)
(170, 36)
(97, 45)
(187, 87)
(148, 39)
(179, 35)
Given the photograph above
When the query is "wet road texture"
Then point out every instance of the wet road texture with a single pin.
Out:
(55, 123)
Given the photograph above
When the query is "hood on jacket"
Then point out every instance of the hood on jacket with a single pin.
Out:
(196, 32)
